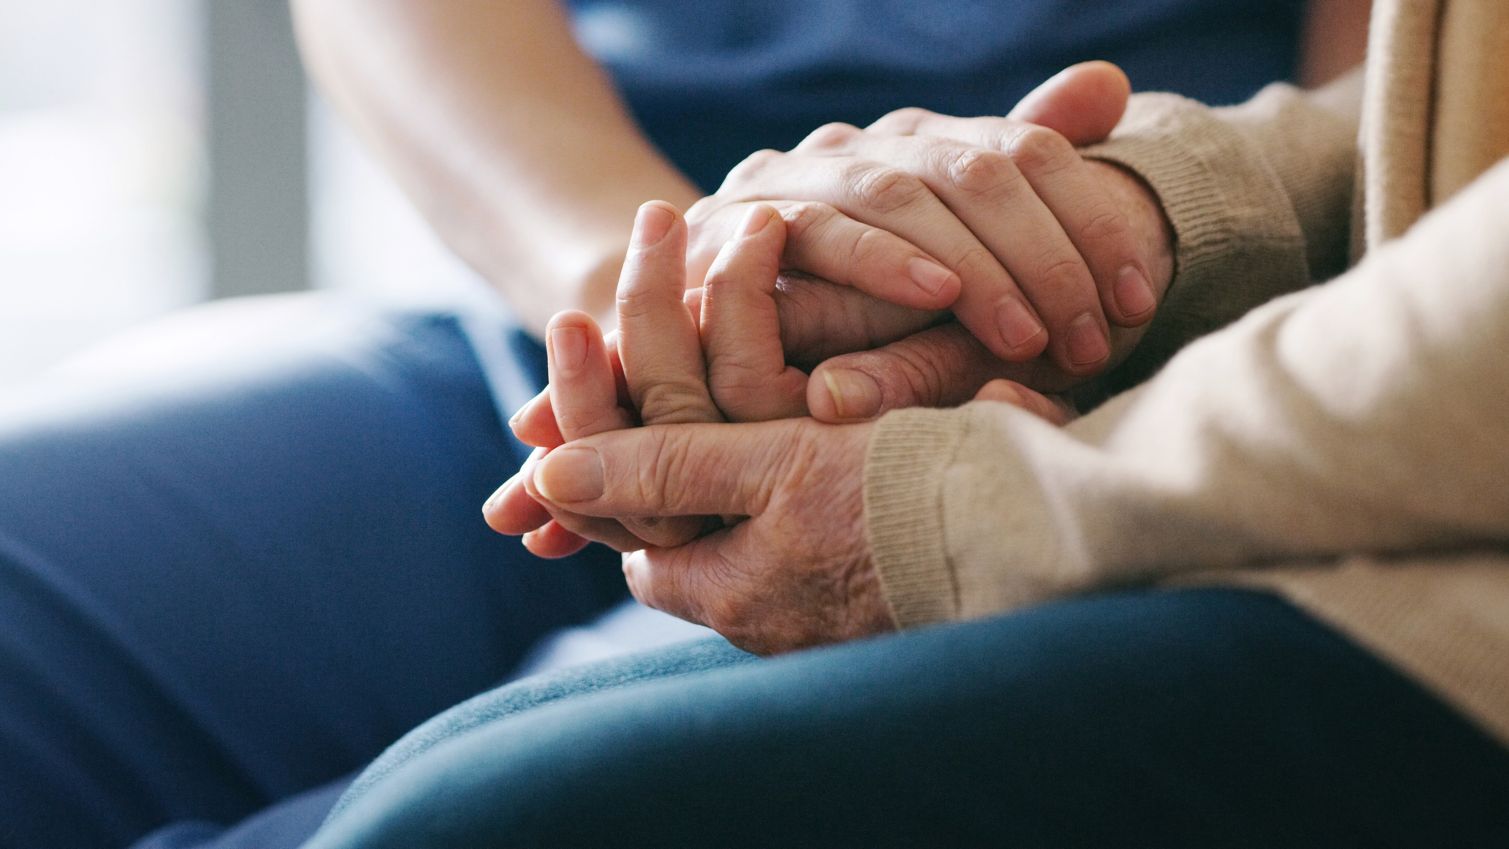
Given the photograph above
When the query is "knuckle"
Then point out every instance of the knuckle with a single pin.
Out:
(1105, 224)
(919, 375)
(1058, 273)
(704, 209)
(883, 189)
(868, 249)
(736, 385)
(721, 278)
(635, 301)
(901, 121)
(978, 263)
(1040, 150)
(984, 173)
(830, 136)
(803, 219)
(587, 421)
(752, 165)
(677, 400)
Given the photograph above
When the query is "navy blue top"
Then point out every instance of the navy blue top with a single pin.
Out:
(712, 80)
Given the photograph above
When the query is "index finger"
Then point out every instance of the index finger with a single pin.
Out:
(675, 470)
(658, 342)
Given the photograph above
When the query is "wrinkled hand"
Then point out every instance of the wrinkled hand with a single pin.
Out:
(1040, 237)
(899, 355)
(750, 334)
(654, 371)
(785, 562)
(795, 572)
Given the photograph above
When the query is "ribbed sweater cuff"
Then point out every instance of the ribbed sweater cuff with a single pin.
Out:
(904, 469)
(1238, 242)
(1152, 142)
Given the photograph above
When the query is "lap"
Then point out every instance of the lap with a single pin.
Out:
(241, 554)
(1182, 718)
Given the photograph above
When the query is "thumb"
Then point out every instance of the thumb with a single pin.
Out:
(1054, 410)
(943, 366)
(1084, 102)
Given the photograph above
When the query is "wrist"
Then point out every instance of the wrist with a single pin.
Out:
(536, 286)
(562, 263)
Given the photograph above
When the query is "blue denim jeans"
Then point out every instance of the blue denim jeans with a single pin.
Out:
(241, 556)
(239, 561)
(1188, 718)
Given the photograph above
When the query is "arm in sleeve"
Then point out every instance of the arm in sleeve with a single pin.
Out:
(1259, 197)
(1367, 414)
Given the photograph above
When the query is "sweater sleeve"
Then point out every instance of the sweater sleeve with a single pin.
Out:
(1367, 414)
(1258, 196)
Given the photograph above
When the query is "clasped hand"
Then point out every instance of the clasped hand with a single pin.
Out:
(757, 529)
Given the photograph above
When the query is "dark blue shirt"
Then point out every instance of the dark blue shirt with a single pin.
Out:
(712, 80)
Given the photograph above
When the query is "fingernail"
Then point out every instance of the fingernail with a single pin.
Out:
(518, 416)
(569, 347)
(929, 276)
(651, 225)
(757, 219)
(1018, 325)
(570, 474)
(1005, 393)
(497, 496)
(856, 395)
(1134, 294)
(1087, 342)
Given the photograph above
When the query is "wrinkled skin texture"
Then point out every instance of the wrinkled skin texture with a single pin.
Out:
(757, 528)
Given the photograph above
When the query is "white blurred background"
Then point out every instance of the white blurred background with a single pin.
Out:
(155, 153)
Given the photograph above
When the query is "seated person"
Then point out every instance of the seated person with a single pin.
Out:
(1260, 599)
(234, 636)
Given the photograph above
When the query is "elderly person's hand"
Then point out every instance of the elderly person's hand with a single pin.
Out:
(795, 571)
(653, 370)
(789, 566)
(870, 354)
(785, 493)
(658, 370)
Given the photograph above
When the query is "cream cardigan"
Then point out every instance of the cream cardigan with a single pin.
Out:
(1346, 444)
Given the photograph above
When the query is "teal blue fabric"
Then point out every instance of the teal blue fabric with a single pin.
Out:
(535, 692)
(240, 556)
(1193, 718)
(227, 582)
(710, 81)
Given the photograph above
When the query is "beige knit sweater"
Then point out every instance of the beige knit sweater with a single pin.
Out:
(1346, 444)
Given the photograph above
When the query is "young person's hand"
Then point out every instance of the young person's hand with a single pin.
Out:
(656, 370)
(868, 355)
(946, 365)
(1042, 241)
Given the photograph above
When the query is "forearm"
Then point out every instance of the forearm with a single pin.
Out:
(1364, 415)
(510, 140)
